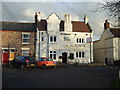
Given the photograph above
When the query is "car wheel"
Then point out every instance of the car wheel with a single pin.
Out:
(52, 66)
(44, 66)
(22, 67)
(11, 66)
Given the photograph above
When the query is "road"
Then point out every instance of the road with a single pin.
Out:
(60, 77)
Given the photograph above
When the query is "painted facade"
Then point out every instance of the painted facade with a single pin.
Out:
(107, 49)
(62, 38)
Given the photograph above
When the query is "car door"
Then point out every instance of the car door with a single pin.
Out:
(15, 62)
(40, 62)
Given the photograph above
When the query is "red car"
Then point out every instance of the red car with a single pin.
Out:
(45, 62)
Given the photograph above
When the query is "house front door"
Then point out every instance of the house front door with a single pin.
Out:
(5, 56)
(64, 57)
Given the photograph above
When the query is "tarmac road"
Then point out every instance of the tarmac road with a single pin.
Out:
(60, 77)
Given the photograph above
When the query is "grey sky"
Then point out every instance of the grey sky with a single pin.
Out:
(24, 11)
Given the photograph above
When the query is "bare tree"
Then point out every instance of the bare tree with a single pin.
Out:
(113, 11)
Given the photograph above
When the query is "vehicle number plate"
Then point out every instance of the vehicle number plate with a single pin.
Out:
(32, 64)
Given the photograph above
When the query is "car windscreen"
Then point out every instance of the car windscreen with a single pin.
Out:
(31, 58)
(19, 58)
(49, 59)
(41, 59)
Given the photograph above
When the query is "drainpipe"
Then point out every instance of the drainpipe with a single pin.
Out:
(47, 44)
(90, 50)
(39, 45)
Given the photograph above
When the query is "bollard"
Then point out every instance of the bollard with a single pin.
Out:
(119, 74)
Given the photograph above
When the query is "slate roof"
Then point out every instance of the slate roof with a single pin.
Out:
(115, 32)
(77, 26)
(17, 26)
(42, 26)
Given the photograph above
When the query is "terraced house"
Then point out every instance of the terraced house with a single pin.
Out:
(65, 40)
(17, 39)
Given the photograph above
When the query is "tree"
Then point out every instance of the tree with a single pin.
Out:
(113, 11)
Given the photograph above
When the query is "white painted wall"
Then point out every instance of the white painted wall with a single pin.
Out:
(107, 47)
(61, 45)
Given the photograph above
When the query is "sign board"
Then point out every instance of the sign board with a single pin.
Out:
(89, 40)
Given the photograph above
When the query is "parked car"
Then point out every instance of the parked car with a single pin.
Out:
(45, 62)
(116, 63)
(23, 62)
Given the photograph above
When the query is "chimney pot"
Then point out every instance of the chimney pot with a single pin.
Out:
(106, 24)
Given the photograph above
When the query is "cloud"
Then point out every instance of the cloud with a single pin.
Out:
(43, 15)
(29, 13)
(75, 18)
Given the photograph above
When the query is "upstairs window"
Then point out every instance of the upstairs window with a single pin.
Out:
(53, 39)
(79, 40)
(42, 39)
(25, 38)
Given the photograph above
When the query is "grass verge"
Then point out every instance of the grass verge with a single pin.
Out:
(116, 83)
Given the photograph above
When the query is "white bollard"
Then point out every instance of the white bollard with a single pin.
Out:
(119, 74)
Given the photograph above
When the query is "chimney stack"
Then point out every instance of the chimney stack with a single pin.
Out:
(106, 24)
(85, 19)
(68, 24)
(37, 17)
(67, 18)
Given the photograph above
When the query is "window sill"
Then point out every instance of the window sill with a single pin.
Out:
(53, 42)
(25, 43)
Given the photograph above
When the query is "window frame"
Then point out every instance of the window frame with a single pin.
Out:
(26, 38)
(24, 53)
(53, 55)
(80, 40)
(80, 54)
(53, 39)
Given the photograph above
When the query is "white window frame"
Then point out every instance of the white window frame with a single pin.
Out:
(42, 39)
(28, 38)
(54, 54)
(25, 49)
(80, 40)
(53, 39)
(80, 54)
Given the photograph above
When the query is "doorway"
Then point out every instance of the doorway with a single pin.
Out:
(64, 57)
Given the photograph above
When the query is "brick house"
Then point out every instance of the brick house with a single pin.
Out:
(17, 39)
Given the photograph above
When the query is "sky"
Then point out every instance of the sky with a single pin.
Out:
(24, 10)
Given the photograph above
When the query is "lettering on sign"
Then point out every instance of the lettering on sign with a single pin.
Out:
(76, 46)
(65, 34)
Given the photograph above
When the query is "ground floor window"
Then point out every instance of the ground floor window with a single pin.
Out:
(71, 56)
(53, 54)
(25, 52)
(80, 54)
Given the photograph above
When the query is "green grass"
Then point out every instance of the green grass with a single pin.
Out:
(116, 83)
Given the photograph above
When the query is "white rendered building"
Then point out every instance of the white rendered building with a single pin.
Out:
(70, 40)
(107, 48)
